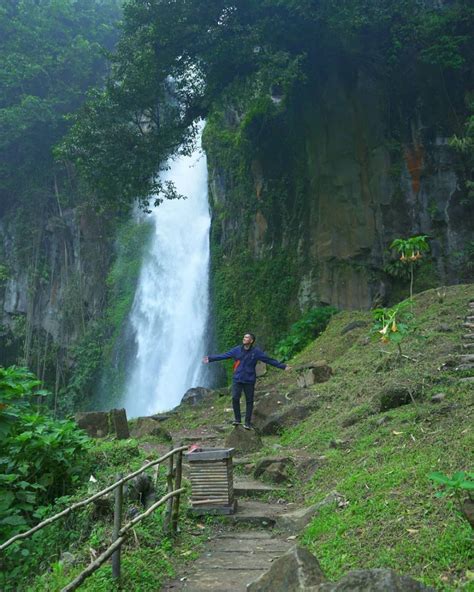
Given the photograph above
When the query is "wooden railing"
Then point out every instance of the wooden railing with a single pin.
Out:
(172, 498)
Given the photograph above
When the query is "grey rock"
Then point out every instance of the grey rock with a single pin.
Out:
(375, 580)
(445, 328)
(294, 571)
(338, 443)
(118, 419)
(147, 426)
(438, 397)
(287, 417)
(353, 325)
(140, 489)
(395, 396)
(468, 511)
(307, 467)
(99, 424)
(274, 469)
(298, 519)
(313, 373)
(196, 395)
(67, 558)
(266, 405)
(243, 441)
(95, 423)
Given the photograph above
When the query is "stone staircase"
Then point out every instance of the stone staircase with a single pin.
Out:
(465, 360)
(245, 543)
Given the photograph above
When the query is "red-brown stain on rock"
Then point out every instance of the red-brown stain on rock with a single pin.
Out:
(261, 226)
(414, 157)
(257, 173)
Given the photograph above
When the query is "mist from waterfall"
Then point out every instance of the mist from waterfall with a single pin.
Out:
(170, 309)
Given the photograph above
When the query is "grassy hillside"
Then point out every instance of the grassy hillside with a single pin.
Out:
(378, 461)
(381, 460)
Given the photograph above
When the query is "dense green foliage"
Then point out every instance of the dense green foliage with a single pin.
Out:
(266, 46)
(52, 53)
(41, 458)
(304, 331)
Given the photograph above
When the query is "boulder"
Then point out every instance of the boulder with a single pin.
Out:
(394, 396)
(294, 571)
(196, 395)
(274, 469)
(438, 398)
(118, 419)
(468, 511)
(99, 424)
(374, 580)
(266, 404)
(297, 520)
(243, 441)
(287, 417)
(95, 423)
(147, 426)
(338, 443)
(353, 325)
(313, 373)
(307, 467)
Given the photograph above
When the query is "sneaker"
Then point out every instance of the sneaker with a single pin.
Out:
(247, 426)
(236, 423)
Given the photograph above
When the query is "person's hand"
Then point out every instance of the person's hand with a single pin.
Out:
(205, 360)
(288, 368)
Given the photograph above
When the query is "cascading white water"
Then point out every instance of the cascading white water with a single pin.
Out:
(170, 309)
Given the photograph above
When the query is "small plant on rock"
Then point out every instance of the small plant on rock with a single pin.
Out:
(411, 253)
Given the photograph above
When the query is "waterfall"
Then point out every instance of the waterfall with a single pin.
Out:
(170, 308)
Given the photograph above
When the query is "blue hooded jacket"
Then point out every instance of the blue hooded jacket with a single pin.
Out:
(245, 362)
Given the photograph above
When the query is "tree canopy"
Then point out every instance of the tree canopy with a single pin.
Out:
(52, 52)
(177, 58)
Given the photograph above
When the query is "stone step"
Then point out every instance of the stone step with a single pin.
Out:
(230, 562)
(462, 367)
(256, 513)
(469, 319)
(252, 488)
(468, 379)
(468, 336)
(467, 346)
(468, 325)
(197, 438)
(466, 358)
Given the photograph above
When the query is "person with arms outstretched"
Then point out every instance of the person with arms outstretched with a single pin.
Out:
(246, 357)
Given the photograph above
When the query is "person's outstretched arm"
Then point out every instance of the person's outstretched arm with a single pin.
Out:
(262, 356)
(218, 357)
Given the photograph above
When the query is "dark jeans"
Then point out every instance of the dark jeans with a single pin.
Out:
(248, 388)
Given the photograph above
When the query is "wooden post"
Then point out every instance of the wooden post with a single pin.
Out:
(117, 526)
(177, 485)
(169, 481)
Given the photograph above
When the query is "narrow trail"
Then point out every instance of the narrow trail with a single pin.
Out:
(230, 561)
(244, 544)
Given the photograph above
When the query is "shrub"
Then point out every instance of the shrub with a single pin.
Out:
(304, 331)
(41, 458)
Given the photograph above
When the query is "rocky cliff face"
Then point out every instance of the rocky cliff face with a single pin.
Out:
(54, 270)
(331, 179)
